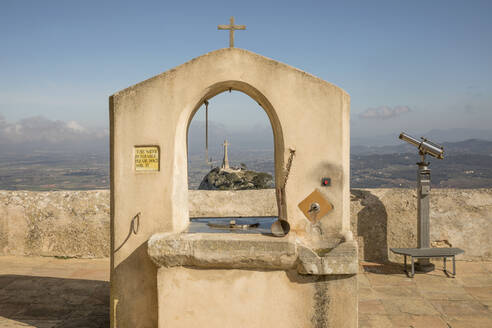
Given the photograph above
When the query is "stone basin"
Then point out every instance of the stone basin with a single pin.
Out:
(252, 251)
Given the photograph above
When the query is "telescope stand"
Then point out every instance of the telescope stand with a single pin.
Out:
(424, 251)
(423, 221)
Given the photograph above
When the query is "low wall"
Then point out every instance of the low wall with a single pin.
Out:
(76, 223)
(57, 223)
(386, 218)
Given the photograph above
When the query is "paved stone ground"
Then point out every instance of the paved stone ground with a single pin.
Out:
(46, 292)
(72, 293)
(388, 298)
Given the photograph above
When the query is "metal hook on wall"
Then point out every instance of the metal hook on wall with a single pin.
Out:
(136, 219)
(134, 226)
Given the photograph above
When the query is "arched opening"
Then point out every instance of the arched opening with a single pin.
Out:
(252, 138)
(237, 119)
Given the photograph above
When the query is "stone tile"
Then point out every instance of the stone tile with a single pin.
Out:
(363, 281)
(58, 271)
(44, 323)
(389, 280)
(374, 321)
(48, 302)
(371, 307)
(480, 293)
(52, 290)
(44, 311)
(9, 309)
(9, 323)
(18, 267)
(23, 296)
(469, 321)
(397, 292)
(366, 294)
(93, 269)
(458, 308)
(395, 306)
(445, 293)
(378, 268)
(427, 321)
(88, 321)
(432, 281)
(6, 279)
(482, 280)
(100, 296)
(26, 261)
(94, 274)
(464, 268)
(18, 323)
(487, 266)
(438, 271)
(417, 321)
(487, 304)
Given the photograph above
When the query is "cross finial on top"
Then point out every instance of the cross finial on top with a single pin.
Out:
(231, 27)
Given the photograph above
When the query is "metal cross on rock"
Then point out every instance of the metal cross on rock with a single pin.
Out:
(231, 27)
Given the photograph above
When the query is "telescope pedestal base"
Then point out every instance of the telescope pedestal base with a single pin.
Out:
(424, 265)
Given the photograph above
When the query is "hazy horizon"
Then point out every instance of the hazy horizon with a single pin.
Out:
(413, 66)
(40, 133)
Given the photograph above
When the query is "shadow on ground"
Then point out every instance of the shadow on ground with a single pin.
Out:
(45, 302)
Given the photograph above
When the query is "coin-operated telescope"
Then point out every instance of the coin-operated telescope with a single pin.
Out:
(425, 147)
(423, 251)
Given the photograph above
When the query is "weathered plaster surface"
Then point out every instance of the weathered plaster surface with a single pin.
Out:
(239, 251)
(251, 251)
(76, 223)
(250, 298)
(61, 223)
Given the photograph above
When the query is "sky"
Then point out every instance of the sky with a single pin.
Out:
(407, 65)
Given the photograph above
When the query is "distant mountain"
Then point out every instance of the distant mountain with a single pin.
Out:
(436, 135)
(471, 146)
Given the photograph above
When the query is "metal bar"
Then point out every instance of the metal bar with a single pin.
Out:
(444, 262)
(408, 138)
(454, 266)
(413, 266)
(423, 190)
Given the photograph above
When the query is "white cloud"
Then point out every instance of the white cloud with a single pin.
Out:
(384, 112)
(41, 129)
(73, 125)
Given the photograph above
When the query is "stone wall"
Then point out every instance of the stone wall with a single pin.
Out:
(76, 223)
(58, 223)
(211, 203)
(386, 218)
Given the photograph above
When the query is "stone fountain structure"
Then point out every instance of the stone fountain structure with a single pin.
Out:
(164, 276)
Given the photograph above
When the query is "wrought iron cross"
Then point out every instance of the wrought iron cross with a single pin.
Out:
(231, 27)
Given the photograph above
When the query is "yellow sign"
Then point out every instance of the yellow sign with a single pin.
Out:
(146, 158)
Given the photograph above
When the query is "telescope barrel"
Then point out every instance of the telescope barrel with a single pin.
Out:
(430, 149)
(432, 143)
(425, 146)
(414, 141)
